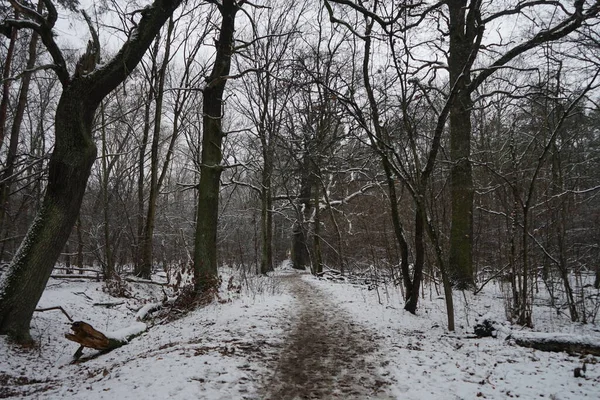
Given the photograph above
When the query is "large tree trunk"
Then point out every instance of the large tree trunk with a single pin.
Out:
(205, 243)
(461, 178)
(69, 168)
(71, 161)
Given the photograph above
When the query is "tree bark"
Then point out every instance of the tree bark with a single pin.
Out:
(266, 262)
(79, 245)
(69, 168)
(462, 44)
(318, 254)
(71, 161)
(10, 51)
(300, 233)
(147, 259)
(412, 296)
(205, 243)
(109, 265)
(141, 173)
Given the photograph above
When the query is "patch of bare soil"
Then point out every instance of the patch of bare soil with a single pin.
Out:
(326, 355)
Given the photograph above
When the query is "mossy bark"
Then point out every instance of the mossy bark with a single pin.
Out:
(463, 47)
(205, 243)
(69, 168)
(71, 161)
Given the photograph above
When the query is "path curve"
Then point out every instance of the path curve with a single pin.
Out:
(326, 355)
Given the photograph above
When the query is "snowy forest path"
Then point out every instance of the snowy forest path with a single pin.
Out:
(326, 355)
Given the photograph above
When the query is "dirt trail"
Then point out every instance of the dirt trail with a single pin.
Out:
(326, 355)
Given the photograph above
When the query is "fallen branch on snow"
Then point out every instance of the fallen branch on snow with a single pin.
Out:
(146, 281)
(55, 308)
(109, 304)
(76, 276)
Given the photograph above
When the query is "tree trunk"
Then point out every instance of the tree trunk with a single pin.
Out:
(7, 177)
(147, 259)
(70, 163)
(433, 236)
(461, 188)
(300, 234)
(525, 305)
(79, 245)
(141, 175)
(266, 262)
(205, 243)
(561, 218)
(6, 82)
(87, 336)
(109, 265)
(69, 168)
(338, 232)
(318, 254)
(412, 297)
(68, 268)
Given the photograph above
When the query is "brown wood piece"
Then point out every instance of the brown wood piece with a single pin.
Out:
(87, 336)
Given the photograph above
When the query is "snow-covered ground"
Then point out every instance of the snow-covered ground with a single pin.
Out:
(233, 349)
(427, 362)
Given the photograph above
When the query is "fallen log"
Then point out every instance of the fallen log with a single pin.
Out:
(76, 276)
(147, 281)
(87, 336)
(109, 304)
(558, 342)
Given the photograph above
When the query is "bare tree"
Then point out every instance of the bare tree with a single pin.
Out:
(73, 155)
